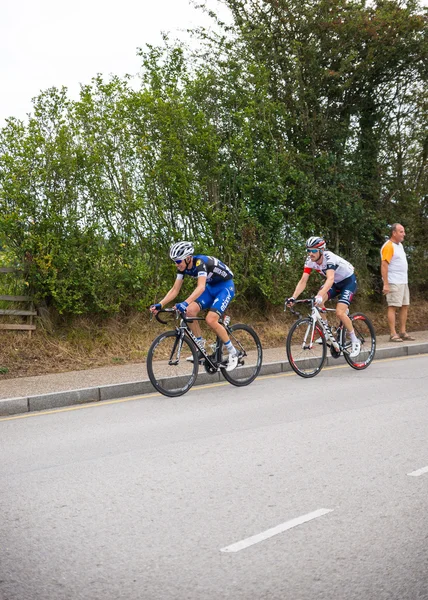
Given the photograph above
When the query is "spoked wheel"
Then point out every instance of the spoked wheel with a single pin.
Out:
(169, 371)
(306, 348)
(365, 332)
(247, 343)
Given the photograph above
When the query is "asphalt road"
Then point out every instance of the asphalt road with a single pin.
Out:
(203, 497)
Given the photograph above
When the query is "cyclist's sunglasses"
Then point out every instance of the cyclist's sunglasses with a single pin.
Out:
(178, 262)
(312, 250)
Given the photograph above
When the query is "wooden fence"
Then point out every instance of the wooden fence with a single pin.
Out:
(27, 314)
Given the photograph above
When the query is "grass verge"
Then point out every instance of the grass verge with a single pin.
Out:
(88, 343)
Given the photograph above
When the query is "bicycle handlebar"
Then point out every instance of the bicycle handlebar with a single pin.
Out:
(178, 314)
(310, 301)
(166, 310)
(305, 301)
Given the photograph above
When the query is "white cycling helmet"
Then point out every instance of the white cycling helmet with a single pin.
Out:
(316, 242)
(181, 250)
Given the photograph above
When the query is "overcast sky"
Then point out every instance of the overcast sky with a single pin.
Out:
(46, 43)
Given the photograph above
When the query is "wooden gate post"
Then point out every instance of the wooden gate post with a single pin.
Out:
(29, 313)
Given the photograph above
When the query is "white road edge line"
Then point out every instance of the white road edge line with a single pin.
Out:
(418, 472)
(255, 539)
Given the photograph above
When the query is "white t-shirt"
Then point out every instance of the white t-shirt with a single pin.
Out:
(397, 261)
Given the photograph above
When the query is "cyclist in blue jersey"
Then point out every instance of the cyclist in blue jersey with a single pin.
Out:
(214, 291)
(340, 281)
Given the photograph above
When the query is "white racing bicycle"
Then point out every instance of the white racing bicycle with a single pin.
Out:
(309, 337)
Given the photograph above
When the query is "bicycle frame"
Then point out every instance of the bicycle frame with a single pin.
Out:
(312, 330)
(184, 329)
(174, 357)
(316, 317)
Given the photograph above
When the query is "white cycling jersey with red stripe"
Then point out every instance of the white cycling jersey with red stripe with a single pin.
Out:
(341, 267)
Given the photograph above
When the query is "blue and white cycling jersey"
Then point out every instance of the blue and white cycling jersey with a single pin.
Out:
(219, 290)
(208, 266)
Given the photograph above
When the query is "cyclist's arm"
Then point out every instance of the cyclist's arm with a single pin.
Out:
(301, 285)
(199, 289)
(384, 272)
(329, 281)
(173, 292)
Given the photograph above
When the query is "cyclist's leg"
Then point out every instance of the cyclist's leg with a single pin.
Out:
(203, 302)
(193, 311)
(332, 293)
(342, 309)
(346, 291)
(222, 294)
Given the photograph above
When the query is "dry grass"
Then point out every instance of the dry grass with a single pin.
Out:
(87, 343)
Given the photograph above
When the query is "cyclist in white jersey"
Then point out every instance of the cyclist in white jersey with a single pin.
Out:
(340, 281)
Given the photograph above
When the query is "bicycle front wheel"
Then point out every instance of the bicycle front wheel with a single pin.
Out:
(172, 364)
(365, 332)
(249, 347)
(306, 348)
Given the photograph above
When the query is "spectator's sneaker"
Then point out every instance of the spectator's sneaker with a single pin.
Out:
(232, 362)
(355, 349)
(200, 357)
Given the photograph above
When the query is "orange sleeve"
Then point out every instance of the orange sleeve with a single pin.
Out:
(388, 251)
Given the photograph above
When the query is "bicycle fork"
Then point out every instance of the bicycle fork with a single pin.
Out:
(178, 345)
(308, 340)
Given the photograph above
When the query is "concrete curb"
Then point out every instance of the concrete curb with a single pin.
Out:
(13, 406)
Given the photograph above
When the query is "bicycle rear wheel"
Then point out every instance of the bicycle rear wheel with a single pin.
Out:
(306, 348)
(169, 371)
(247, 343)
(365, 332)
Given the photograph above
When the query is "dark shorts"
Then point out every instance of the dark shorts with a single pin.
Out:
(344, 289)
(217, 297)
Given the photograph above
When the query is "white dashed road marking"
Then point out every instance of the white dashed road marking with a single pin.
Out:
(418, 472)
(255, 539)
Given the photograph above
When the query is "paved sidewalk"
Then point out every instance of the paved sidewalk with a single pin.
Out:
(118, 381)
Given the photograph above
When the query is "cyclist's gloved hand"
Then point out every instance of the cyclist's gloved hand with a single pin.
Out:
(290, 301)
(318, 300)
(155, 307)
(182, 306)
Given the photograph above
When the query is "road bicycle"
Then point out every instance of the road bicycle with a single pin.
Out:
(173, 364)
(309, 338)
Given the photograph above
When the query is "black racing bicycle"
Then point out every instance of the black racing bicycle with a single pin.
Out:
(173, 363)
(309, 338)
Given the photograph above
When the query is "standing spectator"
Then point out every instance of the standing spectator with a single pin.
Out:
(395, 283)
